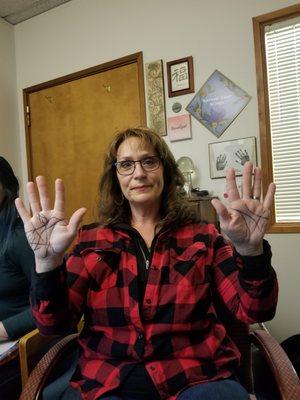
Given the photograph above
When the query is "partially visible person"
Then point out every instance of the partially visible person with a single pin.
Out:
(16, 263)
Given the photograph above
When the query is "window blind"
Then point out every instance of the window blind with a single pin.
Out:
(282, 43)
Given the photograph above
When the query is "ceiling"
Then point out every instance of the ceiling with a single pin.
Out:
(15, 11)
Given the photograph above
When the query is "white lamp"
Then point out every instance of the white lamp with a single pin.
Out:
(186, 166)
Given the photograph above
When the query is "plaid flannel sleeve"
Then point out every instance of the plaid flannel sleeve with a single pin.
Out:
(247, 285)
(58, 296)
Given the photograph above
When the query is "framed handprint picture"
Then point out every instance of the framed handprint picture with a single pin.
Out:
(231, 154)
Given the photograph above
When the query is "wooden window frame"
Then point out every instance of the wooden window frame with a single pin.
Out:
(259, 24)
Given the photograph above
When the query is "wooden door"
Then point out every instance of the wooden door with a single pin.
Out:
(71, 120)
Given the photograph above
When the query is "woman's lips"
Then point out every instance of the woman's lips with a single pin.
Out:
(140, 188)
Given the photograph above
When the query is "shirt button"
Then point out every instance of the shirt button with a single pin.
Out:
(148, 301)
(140, 336)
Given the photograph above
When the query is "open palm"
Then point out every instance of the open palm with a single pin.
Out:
(244, 220)
(48, 232)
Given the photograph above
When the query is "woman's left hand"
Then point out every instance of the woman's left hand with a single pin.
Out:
(245, 219)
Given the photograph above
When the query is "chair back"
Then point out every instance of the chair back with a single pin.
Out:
(52, 365)
(32, 348)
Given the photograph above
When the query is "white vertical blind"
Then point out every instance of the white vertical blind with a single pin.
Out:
(282, 43)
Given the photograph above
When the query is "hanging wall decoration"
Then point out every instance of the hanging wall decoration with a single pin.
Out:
(179, 127)
(176, 107)
(156, 111)
(231, 154)
(218, 103)
(180, 76)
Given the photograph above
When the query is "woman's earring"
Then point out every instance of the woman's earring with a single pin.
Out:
(120, 203)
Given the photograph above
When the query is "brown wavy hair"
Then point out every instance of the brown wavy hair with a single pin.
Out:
(113, 207)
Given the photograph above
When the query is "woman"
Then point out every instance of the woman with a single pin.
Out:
(16, 263)
(144, 277)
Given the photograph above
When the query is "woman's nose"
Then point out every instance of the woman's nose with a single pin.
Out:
(138, 171)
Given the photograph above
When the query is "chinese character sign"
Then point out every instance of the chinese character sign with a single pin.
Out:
(180, 76)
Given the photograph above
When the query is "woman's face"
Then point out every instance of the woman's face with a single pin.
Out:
(141, 188)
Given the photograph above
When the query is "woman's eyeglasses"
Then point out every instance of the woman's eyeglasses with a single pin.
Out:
(127, 167)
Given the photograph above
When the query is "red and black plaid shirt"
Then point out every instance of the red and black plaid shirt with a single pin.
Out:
(177, 334)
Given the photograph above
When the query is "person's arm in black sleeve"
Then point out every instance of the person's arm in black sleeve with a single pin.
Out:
(22, 255)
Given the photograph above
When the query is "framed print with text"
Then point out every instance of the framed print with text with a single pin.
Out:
(179, 127)
(218, 102)
(180, 76)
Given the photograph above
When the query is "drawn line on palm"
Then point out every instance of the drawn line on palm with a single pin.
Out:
(49, 237)
(35, 235)
(256, 218)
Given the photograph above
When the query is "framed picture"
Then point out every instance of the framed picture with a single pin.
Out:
(218, 103)
(155, 94)
(179, 127)
(231, 154)
(180, 76)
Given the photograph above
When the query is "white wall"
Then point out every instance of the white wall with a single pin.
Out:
(9, 129)
(217, 33)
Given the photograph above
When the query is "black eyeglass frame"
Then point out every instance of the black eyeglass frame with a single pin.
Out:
(117, 163)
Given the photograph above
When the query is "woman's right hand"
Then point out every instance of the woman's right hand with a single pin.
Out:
(48, 232)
